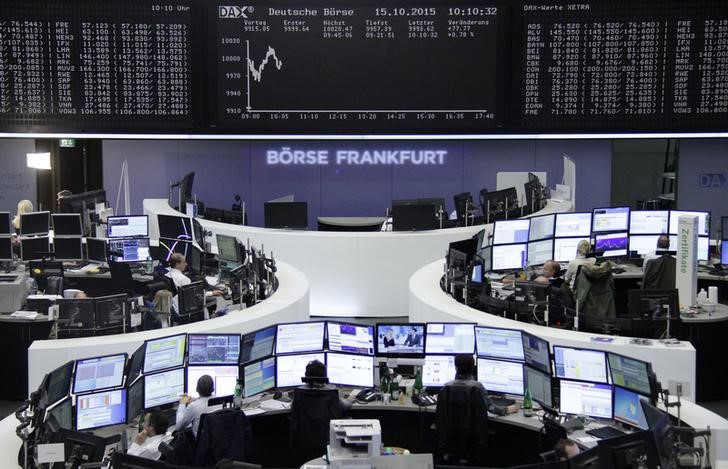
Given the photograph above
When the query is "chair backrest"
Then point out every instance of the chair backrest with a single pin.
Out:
(225, 434)
(54, 285)
(659, 273)
(461, 419)
(311, 412)
(121, 277)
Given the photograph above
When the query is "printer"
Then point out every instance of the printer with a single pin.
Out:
(13, 291)
(352, 442)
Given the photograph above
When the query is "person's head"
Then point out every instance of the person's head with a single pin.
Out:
(156, 423)
(24, 206)
(583, 248)
(80, 295)
(566, 449)
(205, 386)
(412, 332)
(315, 374)
(464, 364)
(663, 242)
(178, 261)
(389, 333)
(551, 269)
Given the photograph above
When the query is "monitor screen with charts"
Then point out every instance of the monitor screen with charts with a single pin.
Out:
(350, 370)
(565, 248)
(127, 226)
(164, 353)
(612, 244)
(213, 349)
(100, 409)
(540, 251)
(224, 379)
(35, 223)
(570, 225)
(582, 364)
(438, 370)
(450, 338)
(163, 388)
(648, 222)
(96, 250)
(68, 249)
(629, 373)
(628, 408)
(350, 338)
(494, 342)
(542, 227)
(536, 352)
(291, 368)
(259, 376)
(67, 224)
(97, 373)
(703, 221)
(605, 220)
(400, 340)
(511, 231)
(539, 384)
(583, 398)
(257, 344)
(128, 250)
(300, 337)
(500, 376)
(509, 257)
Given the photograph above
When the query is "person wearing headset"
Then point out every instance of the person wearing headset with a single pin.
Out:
(190, 409)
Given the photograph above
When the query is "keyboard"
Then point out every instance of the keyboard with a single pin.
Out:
(605, 432)
(502, 401)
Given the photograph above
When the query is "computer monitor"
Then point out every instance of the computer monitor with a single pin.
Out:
(291, 368)
(174, 227)
(648, 222)
(565, 248)
(35, 223)
(293, 215)
(257, 344)
(500, 376)
(350, 338)
(724, 227)
(100, 409)
(164, 353)
(134, 400)
(96, 250)
(643, 244)
(67, 224)
(135, 364)
(414, 217)
(62, 414)
(59, 382)
(585, 398)
(494, 342)
(509, 257)
(628, 451)
(628, 408)
(511, 231)
(224, 379)
(300, 337)
(213, 349)
(97, 373)
(128, 250)
(5, 224)
(498, 202)
(536, 352)
(259, 376)
(540, 386)
(346, 369)
(6, 249)
(703, 246)
(163, 388)
(540, 251)
(228, 249)
(569, 225)
(724, 252)
(608, 219)
(110, 311)
(653, 304)
(75, 313)
(438, 370)
(477, 275)
(461, 253)
(67, 249)
(34, 248)
(86, 446)
(630, 373)
(191, 298)
(400, 339)
(450, 338)
(612, 244)
(581, 364)
(127, 226)
(486, 255)
(703, 221)
(662, 434)
(542, 227)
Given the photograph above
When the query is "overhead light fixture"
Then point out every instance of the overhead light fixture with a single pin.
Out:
(39, 160)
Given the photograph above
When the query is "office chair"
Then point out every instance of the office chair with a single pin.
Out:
(121, 278)
(461, 421)
(225, 434)
(660, 273)
(54, 285)
(594, 290)
(311, 412)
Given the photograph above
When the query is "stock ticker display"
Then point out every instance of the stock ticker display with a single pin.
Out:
(363, 67)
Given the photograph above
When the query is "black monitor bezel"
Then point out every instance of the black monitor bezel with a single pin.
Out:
(182, 308)
(297, 211)
(67, 216)
(707, 213)
(98, 242)
(374, 369)
(479, 355)
(84, 301)
(122, 390)
(553, 231)
(456, 323)
(241, 373)
(37, 217)
(556, 222)
(77, 243)
(5, 228)
(134, 383)
(100, 299)
(66, 400)
(187, 368)
(382, 353)
(300, 352)
(667, 212)
(172, 367)
(6, 248)
(509, 269)
(24, 241)
(109, 227)
(217, 334)
(289, 355)
(531, 363)
(506, 222)
(493, 392)
(369, 326)
(582, 381)
(123, 259)
(641, 398)
(168, 220)
(414, 217)
(604, 253)
(550, 380)
(603, 352)
(528, 245)
(107, 388)
(182, 369)
(70, 364)
(648, 369)
(626, 228)
(252, 333)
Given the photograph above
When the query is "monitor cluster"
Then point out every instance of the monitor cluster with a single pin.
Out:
(6, 241)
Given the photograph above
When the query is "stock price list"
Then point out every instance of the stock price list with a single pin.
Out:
(357, 69)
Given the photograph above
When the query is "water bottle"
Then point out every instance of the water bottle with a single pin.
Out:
(238, 396)
(527, 404)
(418, 381)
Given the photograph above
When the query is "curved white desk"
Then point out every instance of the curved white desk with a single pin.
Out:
(351, 273)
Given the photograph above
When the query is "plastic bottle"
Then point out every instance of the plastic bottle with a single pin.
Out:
(702, 296)
(238, 395)
(527, 404)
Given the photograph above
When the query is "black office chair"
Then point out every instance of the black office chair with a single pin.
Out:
(311, 412)
(54, 285)
(660, 273)
(225, 434)
(461, 421)
(594, 290)
(121, 278)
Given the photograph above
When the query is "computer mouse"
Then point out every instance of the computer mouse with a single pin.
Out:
(277, 394)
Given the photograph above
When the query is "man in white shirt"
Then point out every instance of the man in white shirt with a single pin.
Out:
(663, 244)
(147, 442)
(189, 410)
(177, 266)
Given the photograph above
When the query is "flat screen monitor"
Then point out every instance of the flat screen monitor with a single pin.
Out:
(350, 370)
(511, 231)
(653, 303)
(400, 340)
(612, 244)
(648, 222)
(703, 246)
(259, 376)
(438, 370)
(135, 364)
(350, 338)
(643, 244)
(536, 352)
(498, 201)
(93, 374)
(67, 224)
(300, 337)
(134, 400)
(5, 223)
(500, 376)
(450, 338)
(476, 275)
(34, 248)
(128, 250)
(100, 409)
(584, 398)
(224, 379)
(581, 364)
(629, 373)
(257, 344)
(486, 255)
(494, 342)
(213, 349)
(540, 386)
(63, 413)
(467, 248)
(509, 257)
(723, 227)
(291, 368)
(67, 249)
(542, 227)
(572, 225)
(608, 219)
(6, 249)
(228, 248)
(724, 252)
(540, 251)
(565, 248)
(59, 382)
(628, 408)
(96, 250)
(163, 388)
(35, 223)
(127, 226)
(167, 247)
(293, 215)
(703, 221)
(76, 313)
(414, 217)
(191, 298)
(174, 227)
(164, 353)
(110, 311)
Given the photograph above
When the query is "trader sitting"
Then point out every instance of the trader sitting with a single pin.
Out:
(177, 266)
(559, 291)
(582, 249)
(190, 409)
(663, 244)
(566, 449)
(147, 442)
